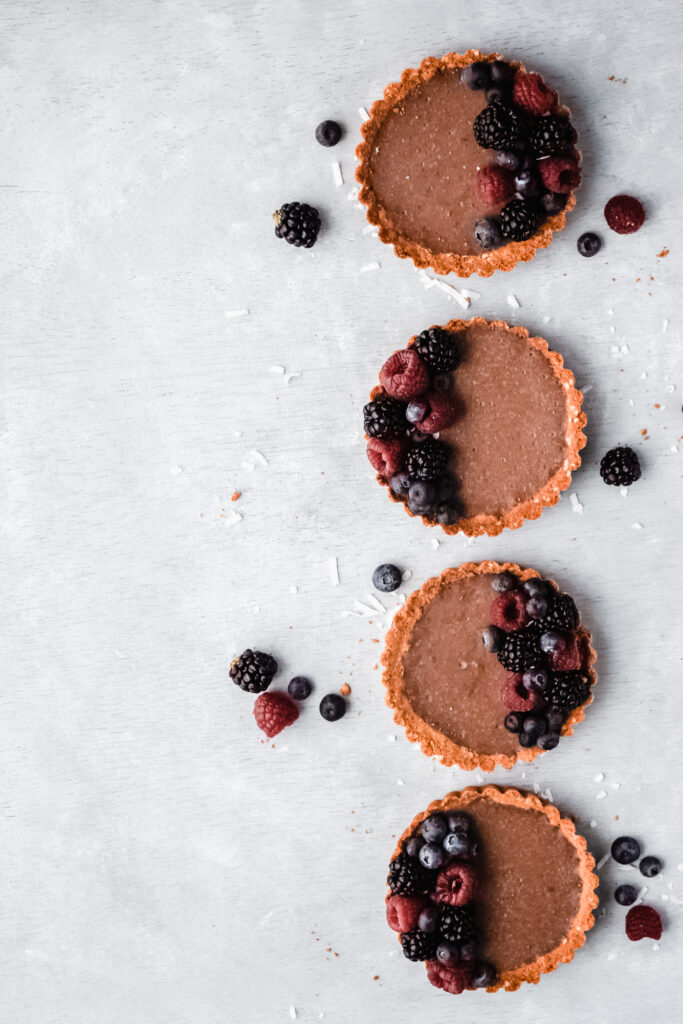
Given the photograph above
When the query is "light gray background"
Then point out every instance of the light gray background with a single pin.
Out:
(160, 862)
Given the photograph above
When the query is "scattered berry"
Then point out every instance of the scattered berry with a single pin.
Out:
(427, 460)
(406, 876)
(332, 707)
(520, 651)
(625, 850)
(418, 945)
(404, 375)
(456, 885)
(487, 233)
(620, 467)
(551, 135)
(589, 244)
(386, 578)
(568, 660)
(476, 76)
(432, 856)
(299, 688)
(447, 515)
(386, 457)
(434, 828)
(535, 725)
(253, 671)
(483, 975)
(428, 920)
(457, 925)
(516, 698)
(519, 220)
(452, 979)
(439, 412)
(567, 690)
(643, 923)
(499, 127)
(503, 581)
(532, 94)
(297, 223)
(650, 866)
(508, 611)
(560, 173)
(273, 712)
(328, 133)
(625, 895)
(494, 185)
(385, 418)
(403, 912)
(493, 638)
(439, 349)
(624, 214)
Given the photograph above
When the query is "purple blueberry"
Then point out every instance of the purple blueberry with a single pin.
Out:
(510, 160)
(514, 722)
(428, 921)
(446, 488)
(537, 607)
(414, 845)
(497, 93)
(416, 411)
(457, 844)
(526, 739)
(299, 688)
(487, 233)
(625, 850)
(476, 76)
(527, 184)
(589, 244)
(458, 821)
(535, 678)
(625, 895)
(535, 725)
(503, 582)
(493, 638)
(535, 587)
(555, 719)
(501, 71)
(650, 866)
(434, 828)
(432, 856)
(421, 496)
(484, 975)
(400, 483)
(447, 515)
(386, 578)
(332, 707)
(553, 202)
(553, 642)
(328, 133)
(447, 953)
(548, 741)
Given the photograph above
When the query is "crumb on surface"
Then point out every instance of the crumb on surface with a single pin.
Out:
(662, 254)
(236, 495)
(345, 689)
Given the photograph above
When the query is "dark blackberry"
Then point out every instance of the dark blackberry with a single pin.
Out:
(418, 945)
(438, 349)
(567, 690)
(551, 135)
(297, 223)
(520, 650)
(253, 671)
(499, 127)
(385, 418)
(457, 925)
(427, 460)
(519, 219)
(563, 615)
(620, 467)
(406, 876)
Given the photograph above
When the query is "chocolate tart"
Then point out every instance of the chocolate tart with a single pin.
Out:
(518, 428)
(448, 691)
(535, 893)
(418, 166)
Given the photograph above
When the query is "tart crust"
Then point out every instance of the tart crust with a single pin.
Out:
(484, 264)
(588, 901)
(475, 526)
(433, 742)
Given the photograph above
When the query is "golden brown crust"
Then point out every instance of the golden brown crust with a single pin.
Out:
(433, 742)
(575, 440)
(484, 263)
(588, 901)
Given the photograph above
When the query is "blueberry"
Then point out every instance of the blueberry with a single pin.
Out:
(416, 411)
(650, 866)
(498, 92)
(400, 483)
(535, 725)
(476, 76)
(300, 688)
(548, 741)
(468, 951)
(458, 821)
(487, 233)
(527, 184)
(589, 244)
(457, 844)
(529, 162)
(553, 642)
(526, 739)
(493, 638)
(514, 722)
(414, 845)
(443, 382)
(446, 488)
(537, 607)
(535, 678)
(447, 515)
(447, 953)
(422, 492)
(625, 850)
(625, 895)
(535, 587)
(332, 707)
(432, 856)
(484, 975)
(503, 581)
(553, 202)
(555, 719)
(428, 921)
(510, 160)
(386, 578)
(500, 71)
(434, 828)
(328, 133)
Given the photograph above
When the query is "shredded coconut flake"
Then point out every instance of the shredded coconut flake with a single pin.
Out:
(370, 229)
(623, 491)
(400, 782)
(246, 464)
(259, 457)
(235, 517)
(364, 116)
(237, 433)
(293, 590)
(333, 565)
(337, 174)
(610, 312)
(453, 293)
(391, 739)
(366, 608)
(665, 326)
(277, 369)
(469, 293)
(376, 604)
(636, 526)
(593, 823)
(292, 1012)
(603, 860)
(625, 349)
(291, 376)
(435, 543)
(406, 574)
(612, 329)
(616, 785)
(601, 795)
(232, 314)
(513, 301)
(612, 956)
(368, 267)
(600, 777)
(547, 319)
(576, 504)
(175, 470)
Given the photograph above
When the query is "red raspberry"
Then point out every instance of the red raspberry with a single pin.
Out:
(451, 979)
(531, 93)
(386, 457)
(456, 885)
(643, 923)
(441, 412)
(560, 173)
(274, 711)
(403, 912)
(624, 214)
(516, 697)
(567, 660)
(495, 185)
(508, 611)
(404, 375)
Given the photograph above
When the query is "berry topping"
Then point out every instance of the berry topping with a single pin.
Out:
(501, 71)
(421, 497)
(386, 457)
(532, 94)
(439, 411)
(567, 690)
(537, 606)
(620, 467)
(551, 135)
(456, 885)
(643, 923)
(399, 482)
(448, 953)
(589, 244)
(528, 183)
(439, 349)
(548, 741)
(418, 945)
(428, 920)
(453, 979)
(509, 159)
(517, 698)
(560, 173)
(494, 185)
(625, 850)
(417, 410)
(503, 581)
(535, 587)
(563, 614)
(299, 688)
(385, 418)
(553, 202)
(519, 220)
(427, 460)
(567, 660)
(403, 912)
(499, 127)
(274, 711)
(386, 578)
(552, 642)
(406, 876)
(519, 651)
(458, 821)
(328, 133)
(404, 375)
(514, 722)
(483, 975)
(493, 638)
(458, 844)
(650, 866)
(624, 214)
(297, 223)
(476, 76)
(535, 678)
(487, 233)
(457, 925)
(434, 828)
(432, 856)
(414, 845)
(625, 895)
(253, 671)
(332, 707)
(508, 611)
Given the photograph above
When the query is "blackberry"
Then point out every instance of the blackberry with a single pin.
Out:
(563, 615)
(406, 876)
(567, 690)
(620, 466)
(418, 945)
(253, 671)
(297, 223)
(427, 460)
(551, 135)
(438, 349)
(519, 219)
(520, 650)
(457, 925)
(385, 418)
(499, 127)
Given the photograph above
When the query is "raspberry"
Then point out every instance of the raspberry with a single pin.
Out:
(560, 173)
(495, 185)
(620, 467)
(567, 660)
(403, 912)
(643, 922)
(532, 94)
(456, 885)
(404, 375)
(451, 979)
(386, 457)
(441, 412)
(516, 697)
(624, 214)
(508, 611)
(274, 711)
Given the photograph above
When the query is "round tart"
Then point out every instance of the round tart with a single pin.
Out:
(491, 887)
(487, 664)
(468, 164)
(484, 418)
